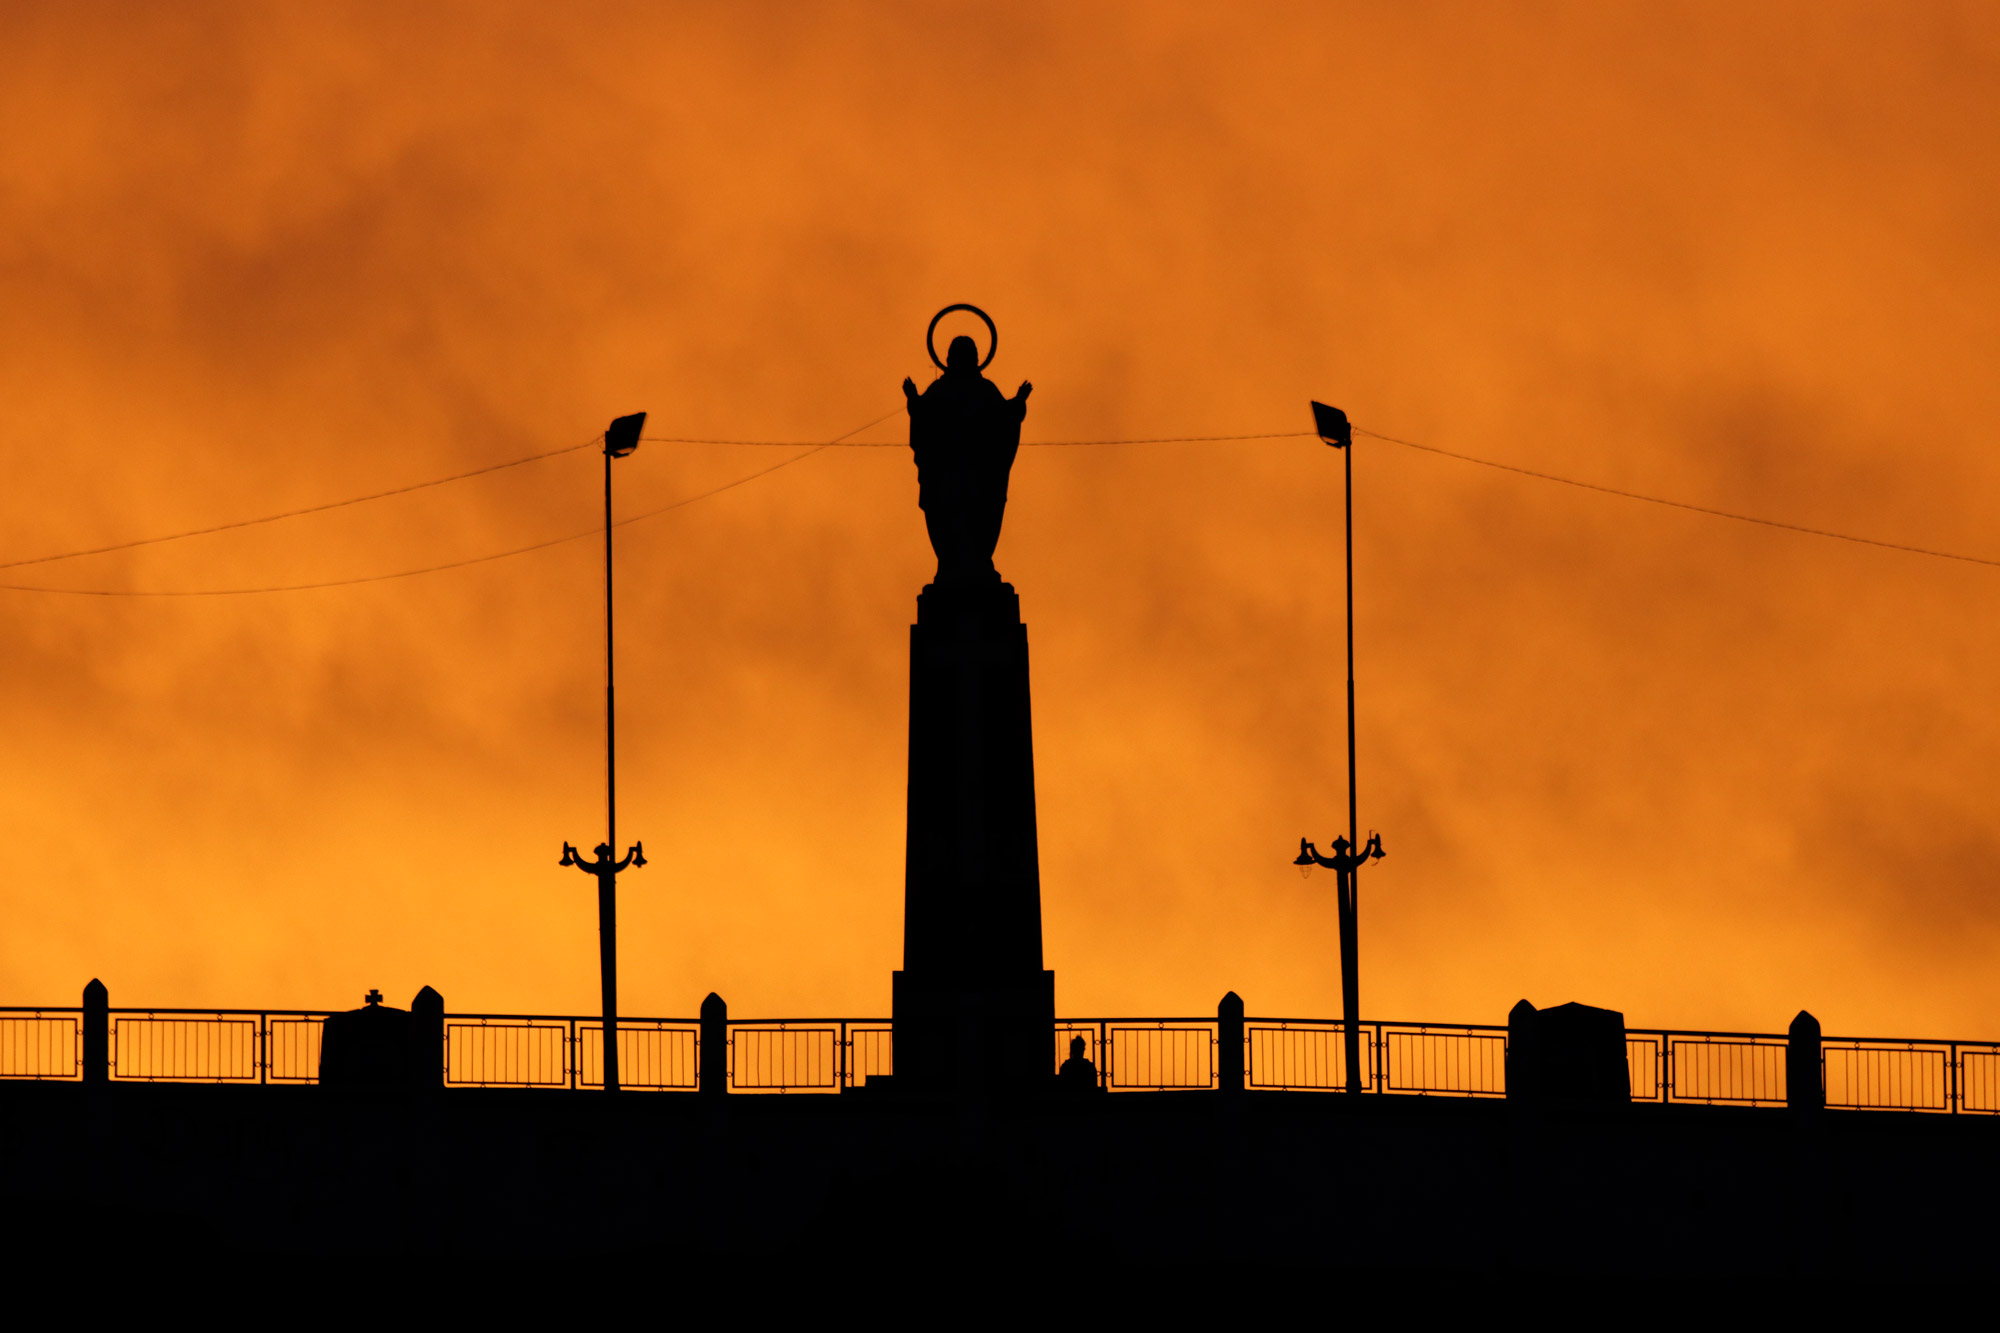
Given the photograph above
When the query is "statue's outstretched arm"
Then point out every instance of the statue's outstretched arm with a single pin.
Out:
(1019, 402)
(910, 394)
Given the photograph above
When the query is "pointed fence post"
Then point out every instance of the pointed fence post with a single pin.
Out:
(1805, 1081)
(1229, 1043)
(427, 1039)
(1523, 1053)
(96, 1033)
(714, 1039)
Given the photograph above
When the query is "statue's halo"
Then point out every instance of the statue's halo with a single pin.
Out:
(993, 334)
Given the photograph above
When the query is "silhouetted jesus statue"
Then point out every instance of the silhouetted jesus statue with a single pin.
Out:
(964, 434)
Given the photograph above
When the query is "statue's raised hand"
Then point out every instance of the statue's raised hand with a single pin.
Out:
(909, 388)
(1023, 392)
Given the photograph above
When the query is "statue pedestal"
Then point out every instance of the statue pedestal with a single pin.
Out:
(974, 1009)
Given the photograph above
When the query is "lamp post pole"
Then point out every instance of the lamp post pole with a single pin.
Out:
(1345, 861)
(620, 439)
(1349, 854)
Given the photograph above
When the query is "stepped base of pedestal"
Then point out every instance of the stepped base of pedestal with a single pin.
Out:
(984, 1037)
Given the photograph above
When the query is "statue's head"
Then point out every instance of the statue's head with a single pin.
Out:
(962, 356)
(1076, 1048)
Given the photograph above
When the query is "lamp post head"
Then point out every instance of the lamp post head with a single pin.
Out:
(1341, 846)
(604, 852)
(1332, 425)
(1305, 860)
(638, 853)
(1373, 851)
(621, 437)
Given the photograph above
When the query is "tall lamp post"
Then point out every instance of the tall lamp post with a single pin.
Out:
(1349, 854)
(620, 439)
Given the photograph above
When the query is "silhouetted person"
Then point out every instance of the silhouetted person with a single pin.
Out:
(1077, 1073)
(965, 435)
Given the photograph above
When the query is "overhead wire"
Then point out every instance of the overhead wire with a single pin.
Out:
(298, 513)
(1682, 504)
(236, 525)
(450, 564)
(1463, 458)
(808, 449)
(1025, 444)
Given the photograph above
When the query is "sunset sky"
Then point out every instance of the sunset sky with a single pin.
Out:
(260, 257)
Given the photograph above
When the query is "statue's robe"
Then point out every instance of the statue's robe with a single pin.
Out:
(964, 433)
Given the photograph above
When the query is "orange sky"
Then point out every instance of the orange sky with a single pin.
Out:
(258, 257)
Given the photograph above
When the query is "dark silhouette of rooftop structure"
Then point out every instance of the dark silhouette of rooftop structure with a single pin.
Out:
(377, 1046)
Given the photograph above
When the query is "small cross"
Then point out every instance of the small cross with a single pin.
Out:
(374, 996)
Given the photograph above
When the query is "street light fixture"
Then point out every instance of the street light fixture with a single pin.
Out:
(1309, 855)
(1349, 853)
(620, 439)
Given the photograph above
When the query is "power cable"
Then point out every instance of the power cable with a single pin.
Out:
(299, 513)
(1173, 439)
(241, 523)
(810, 448)
(1488, 462)
(1025, 444)
(1682, 504)
(453, 564)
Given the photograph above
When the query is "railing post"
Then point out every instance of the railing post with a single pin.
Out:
(1521, 1065)
(427, 1039)
(1805, 1084)
(96, 1033)
(714, 1079)
(1229, 1043)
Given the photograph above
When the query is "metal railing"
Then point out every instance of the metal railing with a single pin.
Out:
(41, 1043)
(794, 1056)
(512, 1051)
(1663, 1065)
(832, 1055)
(167, 1045)
(663, 1054)
(1424, 1059)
